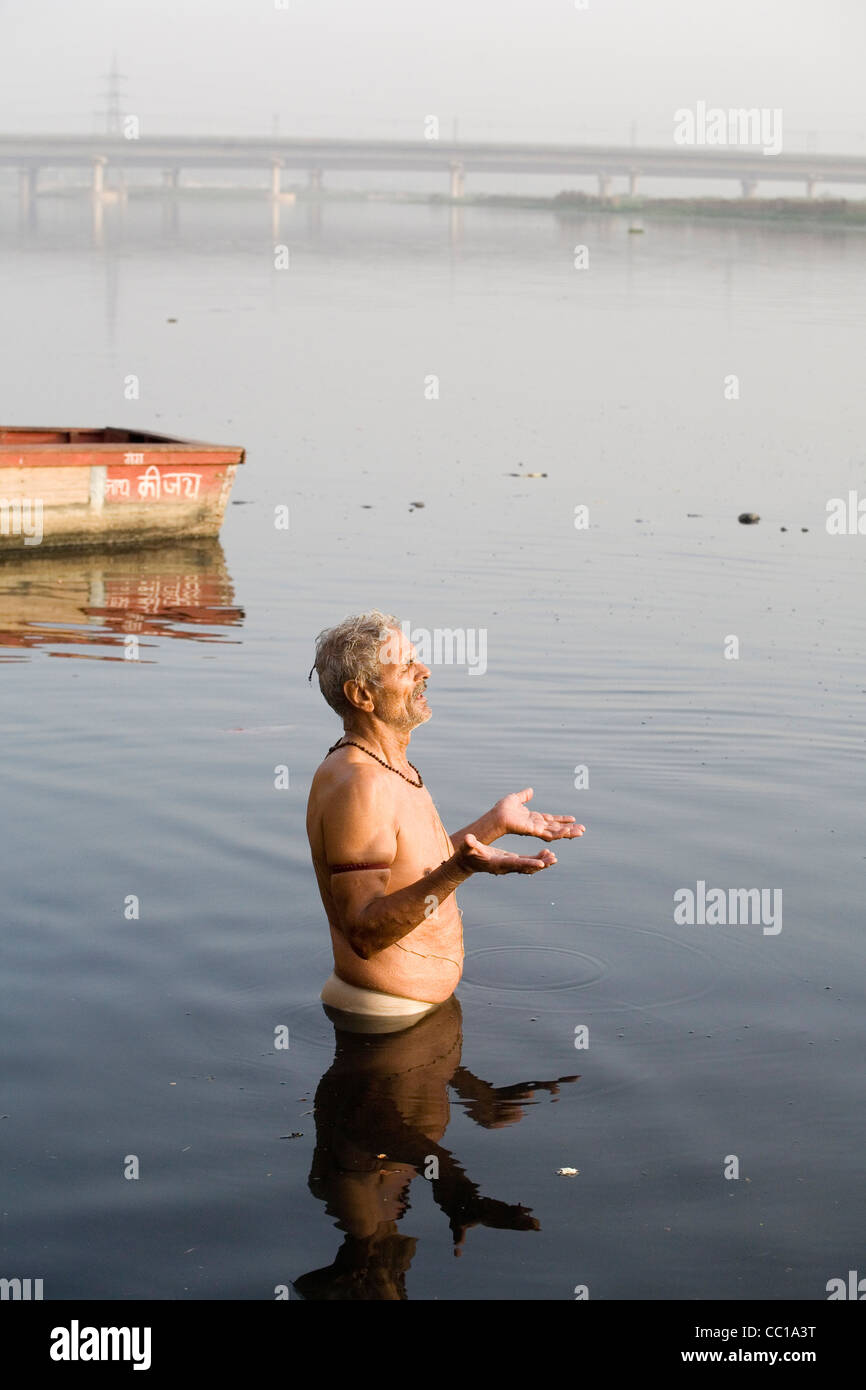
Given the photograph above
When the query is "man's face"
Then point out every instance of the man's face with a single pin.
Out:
(399, 698)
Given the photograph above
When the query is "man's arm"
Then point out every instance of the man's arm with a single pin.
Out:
(360, 829)
(486, 829)
(511, 816)
(496, 1106)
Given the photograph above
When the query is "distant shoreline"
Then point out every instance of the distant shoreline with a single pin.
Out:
(814, 212)
(823, 212)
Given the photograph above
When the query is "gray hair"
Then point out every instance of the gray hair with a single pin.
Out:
(350, 652)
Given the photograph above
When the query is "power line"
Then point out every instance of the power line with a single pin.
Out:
(113, 113)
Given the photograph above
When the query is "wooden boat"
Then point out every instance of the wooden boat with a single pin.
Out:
(68, 488)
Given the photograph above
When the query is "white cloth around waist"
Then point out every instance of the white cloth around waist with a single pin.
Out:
(370, 1002)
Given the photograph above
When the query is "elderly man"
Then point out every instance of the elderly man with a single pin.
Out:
(386, 866)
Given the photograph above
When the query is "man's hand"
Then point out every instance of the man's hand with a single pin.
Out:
(477, 858)
(513, 817)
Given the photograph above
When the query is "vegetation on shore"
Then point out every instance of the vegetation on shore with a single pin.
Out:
(825, 211)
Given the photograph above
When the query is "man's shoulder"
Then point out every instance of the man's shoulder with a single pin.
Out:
(340, 772)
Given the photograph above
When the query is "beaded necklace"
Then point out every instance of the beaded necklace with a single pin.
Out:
(341, 744)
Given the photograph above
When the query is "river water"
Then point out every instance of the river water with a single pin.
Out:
(414, 354)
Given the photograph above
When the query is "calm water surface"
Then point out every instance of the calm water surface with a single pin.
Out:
(155, 1038)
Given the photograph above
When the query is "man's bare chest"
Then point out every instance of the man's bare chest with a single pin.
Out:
(422, 840)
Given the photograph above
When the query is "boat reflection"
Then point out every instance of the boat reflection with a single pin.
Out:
(100, 598)
(382, 1110)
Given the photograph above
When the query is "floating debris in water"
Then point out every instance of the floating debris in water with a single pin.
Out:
(567, 1172)
(748, 518)
(295, 1134)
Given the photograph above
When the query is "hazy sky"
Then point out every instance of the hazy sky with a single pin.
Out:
(506, 69)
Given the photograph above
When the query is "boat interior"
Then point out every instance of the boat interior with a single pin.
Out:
(27, 434)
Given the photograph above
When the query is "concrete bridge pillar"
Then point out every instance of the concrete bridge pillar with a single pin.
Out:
(171, 179)
(747, 187)
(27, 180)
(314, 183)
(458, 180)
(276, 178)
(97, 186)
(632, 182)
(810, 186)
(603, 185)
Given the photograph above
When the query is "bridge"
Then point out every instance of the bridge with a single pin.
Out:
(749, 166)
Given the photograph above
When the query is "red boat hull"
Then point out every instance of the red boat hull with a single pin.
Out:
(67, 488)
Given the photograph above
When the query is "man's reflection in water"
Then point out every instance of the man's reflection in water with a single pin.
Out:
(381, 1112)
